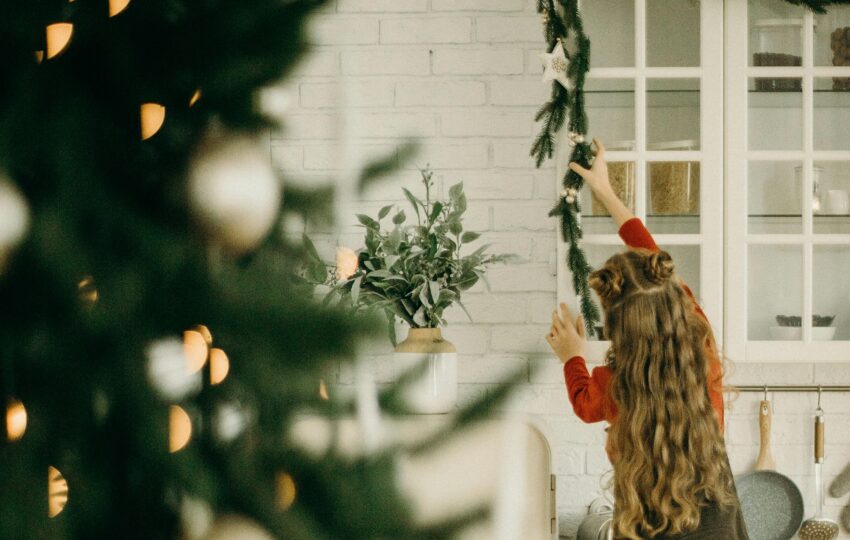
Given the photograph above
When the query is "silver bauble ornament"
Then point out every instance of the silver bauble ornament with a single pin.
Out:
(234, 193)
(14, 218)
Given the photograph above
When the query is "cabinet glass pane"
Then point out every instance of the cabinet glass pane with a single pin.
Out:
(832, 37)
(595, 217)
(774, 292)
(673, 198)
(831, 288)
(672, 33)
(832, 113)
(776, 33)
(832, 199)
(775, 117)
(774, 197)
(610, 106)
(611, 22)
(673, 114)
(686, 258)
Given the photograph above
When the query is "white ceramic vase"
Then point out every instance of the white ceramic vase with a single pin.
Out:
(435, 391)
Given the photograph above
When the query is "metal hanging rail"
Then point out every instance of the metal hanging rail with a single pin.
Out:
(789, 388)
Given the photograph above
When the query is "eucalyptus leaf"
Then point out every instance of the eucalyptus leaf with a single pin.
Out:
(399, 218)
(469, 236)
(413, 200)
(434, 288)
(383, 212)
(355, 289)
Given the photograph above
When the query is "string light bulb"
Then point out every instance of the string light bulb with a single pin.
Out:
(195, 349)
(219, 366)
(87, 291)
(57, 492)
(195, 97)
(153, 116)
(117, 6)
(179, 429)
(286, 490)
(58, 37)
(16, 420)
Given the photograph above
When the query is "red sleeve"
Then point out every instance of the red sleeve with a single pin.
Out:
(635, 235)
(587, 393)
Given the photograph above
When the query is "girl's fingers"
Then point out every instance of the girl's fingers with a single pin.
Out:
(581, 171)
(557, 323)
(565, 313)
(600, 148)
(580, 326)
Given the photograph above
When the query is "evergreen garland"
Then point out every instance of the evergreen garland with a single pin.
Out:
(565, 105)
(568, 106)
(818, 6)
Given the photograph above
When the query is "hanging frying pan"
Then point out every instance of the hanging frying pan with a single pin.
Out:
(771, 503)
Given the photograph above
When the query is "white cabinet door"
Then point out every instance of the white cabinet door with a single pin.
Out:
(655, 97)
(788, 179)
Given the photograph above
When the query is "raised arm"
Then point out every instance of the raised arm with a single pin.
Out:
(597, 178)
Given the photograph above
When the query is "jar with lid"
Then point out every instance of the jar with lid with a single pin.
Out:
(777, 42)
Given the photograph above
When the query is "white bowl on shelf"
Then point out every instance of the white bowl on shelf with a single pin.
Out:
(795, 333)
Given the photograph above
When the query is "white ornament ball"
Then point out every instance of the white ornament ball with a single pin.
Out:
(169, 371)
(233, 192)
(565, 192)
(229, 421)
(570, 199)
(579, 138)
(235, 527)
(14, 218)
(196, 517)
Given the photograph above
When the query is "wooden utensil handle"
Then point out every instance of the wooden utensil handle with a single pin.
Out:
(765, 459)
(819, 425)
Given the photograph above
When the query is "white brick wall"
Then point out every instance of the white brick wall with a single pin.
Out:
(464, 76)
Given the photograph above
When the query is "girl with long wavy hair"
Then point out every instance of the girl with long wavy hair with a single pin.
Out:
(660, 389)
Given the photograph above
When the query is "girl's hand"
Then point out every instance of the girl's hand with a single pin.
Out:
(566, 337)
(597, 175)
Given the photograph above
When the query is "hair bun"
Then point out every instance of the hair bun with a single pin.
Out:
(606, 282)
(659, 267)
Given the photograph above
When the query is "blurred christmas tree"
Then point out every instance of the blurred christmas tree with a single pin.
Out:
(156, 340)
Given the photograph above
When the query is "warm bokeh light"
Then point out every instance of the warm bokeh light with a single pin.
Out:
(195, 97)
(179, 429)
(346, 263)
(57, 492)
(39, 56)
(16, 420)
(219, 366)
(286, 491)
(58, 37)
(117, 6)
(204, 331)
(88, 292)
(195, 349)
(153, 116)
(323, 390)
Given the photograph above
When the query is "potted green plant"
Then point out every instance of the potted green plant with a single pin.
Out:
(414, 271)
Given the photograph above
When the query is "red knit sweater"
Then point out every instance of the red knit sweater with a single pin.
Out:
(589, 393)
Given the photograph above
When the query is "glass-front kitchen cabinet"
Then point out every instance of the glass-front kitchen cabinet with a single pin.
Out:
(728, 131)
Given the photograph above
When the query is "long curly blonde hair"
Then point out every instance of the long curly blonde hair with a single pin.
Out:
(667, 447)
